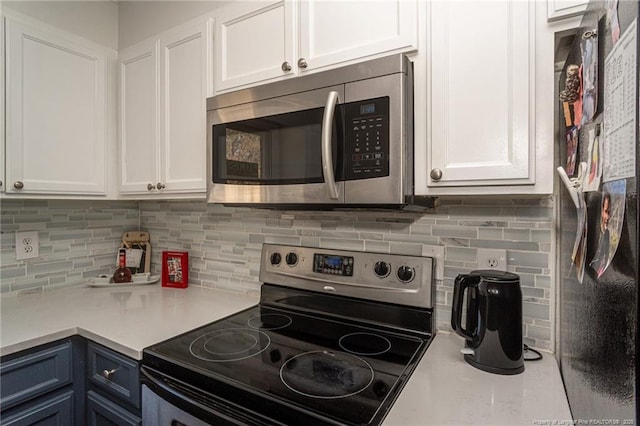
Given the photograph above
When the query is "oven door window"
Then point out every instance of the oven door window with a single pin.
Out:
(276, 150)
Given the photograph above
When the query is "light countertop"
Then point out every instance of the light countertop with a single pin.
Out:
(126, 319)
(443, 390)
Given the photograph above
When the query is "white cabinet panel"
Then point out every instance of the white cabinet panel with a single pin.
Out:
(55, 132)
(338, 31)
(164, 83)
(481, 94)
(139, 136)
(257, 43)
(560, 9)
(253, 44)
(2, 116)
(184, 91)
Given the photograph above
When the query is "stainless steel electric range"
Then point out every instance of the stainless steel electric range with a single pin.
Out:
(335, 337)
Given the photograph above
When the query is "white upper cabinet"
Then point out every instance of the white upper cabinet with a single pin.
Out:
(185, 55)
(338, 31)
(481, 124)
(55, 112)
(253, 44)
(260, 43)
(2, 116)
(163, 88)
(560, 9)
(139, 108)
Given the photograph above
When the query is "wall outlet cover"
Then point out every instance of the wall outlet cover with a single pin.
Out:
(492, 259)
(27, 245)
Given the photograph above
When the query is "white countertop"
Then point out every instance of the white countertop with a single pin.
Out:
(126, 319)
(443, 390)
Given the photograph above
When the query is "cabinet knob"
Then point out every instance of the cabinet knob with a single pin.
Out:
(286, 66)
(160, 185)
(1, 183)
(436, 174)
(150, 187)
(302, 63)
(18, 185)
(107, 374)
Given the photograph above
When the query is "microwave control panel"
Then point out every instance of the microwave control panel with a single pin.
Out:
(367, 139)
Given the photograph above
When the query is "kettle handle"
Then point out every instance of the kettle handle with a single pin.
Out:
(461, 283)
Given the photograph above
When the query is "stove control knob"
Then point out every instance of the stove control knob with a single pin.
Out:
(406, 274)
(275, 258)
(292, 259)
(381, 269)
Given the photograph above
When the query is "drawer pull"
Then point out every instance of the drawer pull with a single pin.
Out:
(107, 374)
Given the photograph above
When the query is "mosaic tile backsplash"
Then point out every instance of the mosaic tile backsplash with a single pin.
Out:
(78, 239)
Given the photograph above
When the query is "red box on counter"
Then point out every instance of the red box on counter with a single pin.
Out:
(175, 269)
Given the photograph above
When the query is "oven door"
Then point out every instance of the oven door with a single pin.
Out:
(284, 150)
(168, 403)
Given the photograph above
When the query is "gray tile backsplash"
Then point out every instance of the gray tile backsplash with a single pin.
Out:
(79, 239)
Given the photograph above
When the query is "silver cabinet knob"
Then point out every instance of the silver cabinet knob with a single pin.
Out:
(18, 185)
(436, 174)
(160, 185)
(302, 63)
(150, 187)
(107, 374)
(286, 66)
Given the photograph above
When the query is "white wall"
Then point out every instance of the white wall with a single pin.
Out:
(94, 20)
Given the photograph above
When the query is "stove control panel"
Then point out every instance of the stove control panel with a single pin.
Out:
(401, 279)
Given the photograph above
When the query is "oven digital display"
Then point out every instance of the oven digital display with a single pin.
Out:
(333, 265)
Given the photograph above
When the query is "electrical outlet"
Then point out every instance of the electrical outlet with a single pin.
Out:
(492, 259)
(27, 245)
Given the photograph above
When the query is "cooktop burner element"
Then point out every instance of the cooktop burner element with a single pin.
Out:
(325, 346)
(324, 374)
(365, 343)
(269, 321)
(229, 344)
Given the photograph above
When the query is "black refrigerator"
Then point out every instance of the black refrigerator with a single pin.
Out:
(597, 244)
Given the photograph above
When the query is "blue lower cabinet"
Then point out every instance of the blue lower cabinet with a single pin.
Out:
(113, 385)
(49, 410)
(103, 412)
(43, 385)
(35, 373)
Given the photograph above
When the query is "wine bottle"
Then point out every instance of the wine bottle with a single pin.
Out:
(122, 274)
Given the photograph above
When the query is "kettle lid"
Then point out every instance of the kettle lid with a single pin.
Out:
(496, 275)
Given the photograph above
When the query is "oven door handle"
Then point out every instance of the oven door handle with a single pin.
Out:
(327, 155)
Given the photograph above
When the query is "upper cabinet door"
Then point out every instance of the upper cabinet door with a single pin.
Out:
(139, 131)
(184, 54)
(254, 45)
(55, 109)
(336, 31)
(2, 116)
(481, 104)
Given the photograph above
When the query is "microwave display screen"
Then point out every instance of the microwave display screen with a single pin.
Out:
(367, 109)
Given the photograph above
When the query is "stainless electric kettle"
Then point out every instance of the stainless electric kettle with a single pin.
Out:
(493, 324)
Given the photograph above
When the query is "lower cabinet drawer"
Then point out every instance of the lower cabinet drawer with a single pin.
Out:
(103, 412)
(114, 373)
(35, 374)
(50, 410)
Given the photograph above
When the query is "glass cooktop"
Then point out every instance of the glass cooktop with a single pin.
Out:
(328, 369)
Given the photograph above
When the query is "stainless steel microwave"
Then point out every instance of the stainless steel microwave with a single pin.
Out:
(342, 137)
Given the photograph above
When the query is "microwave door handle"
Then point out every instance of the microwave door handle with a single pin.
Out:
(327, 155)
